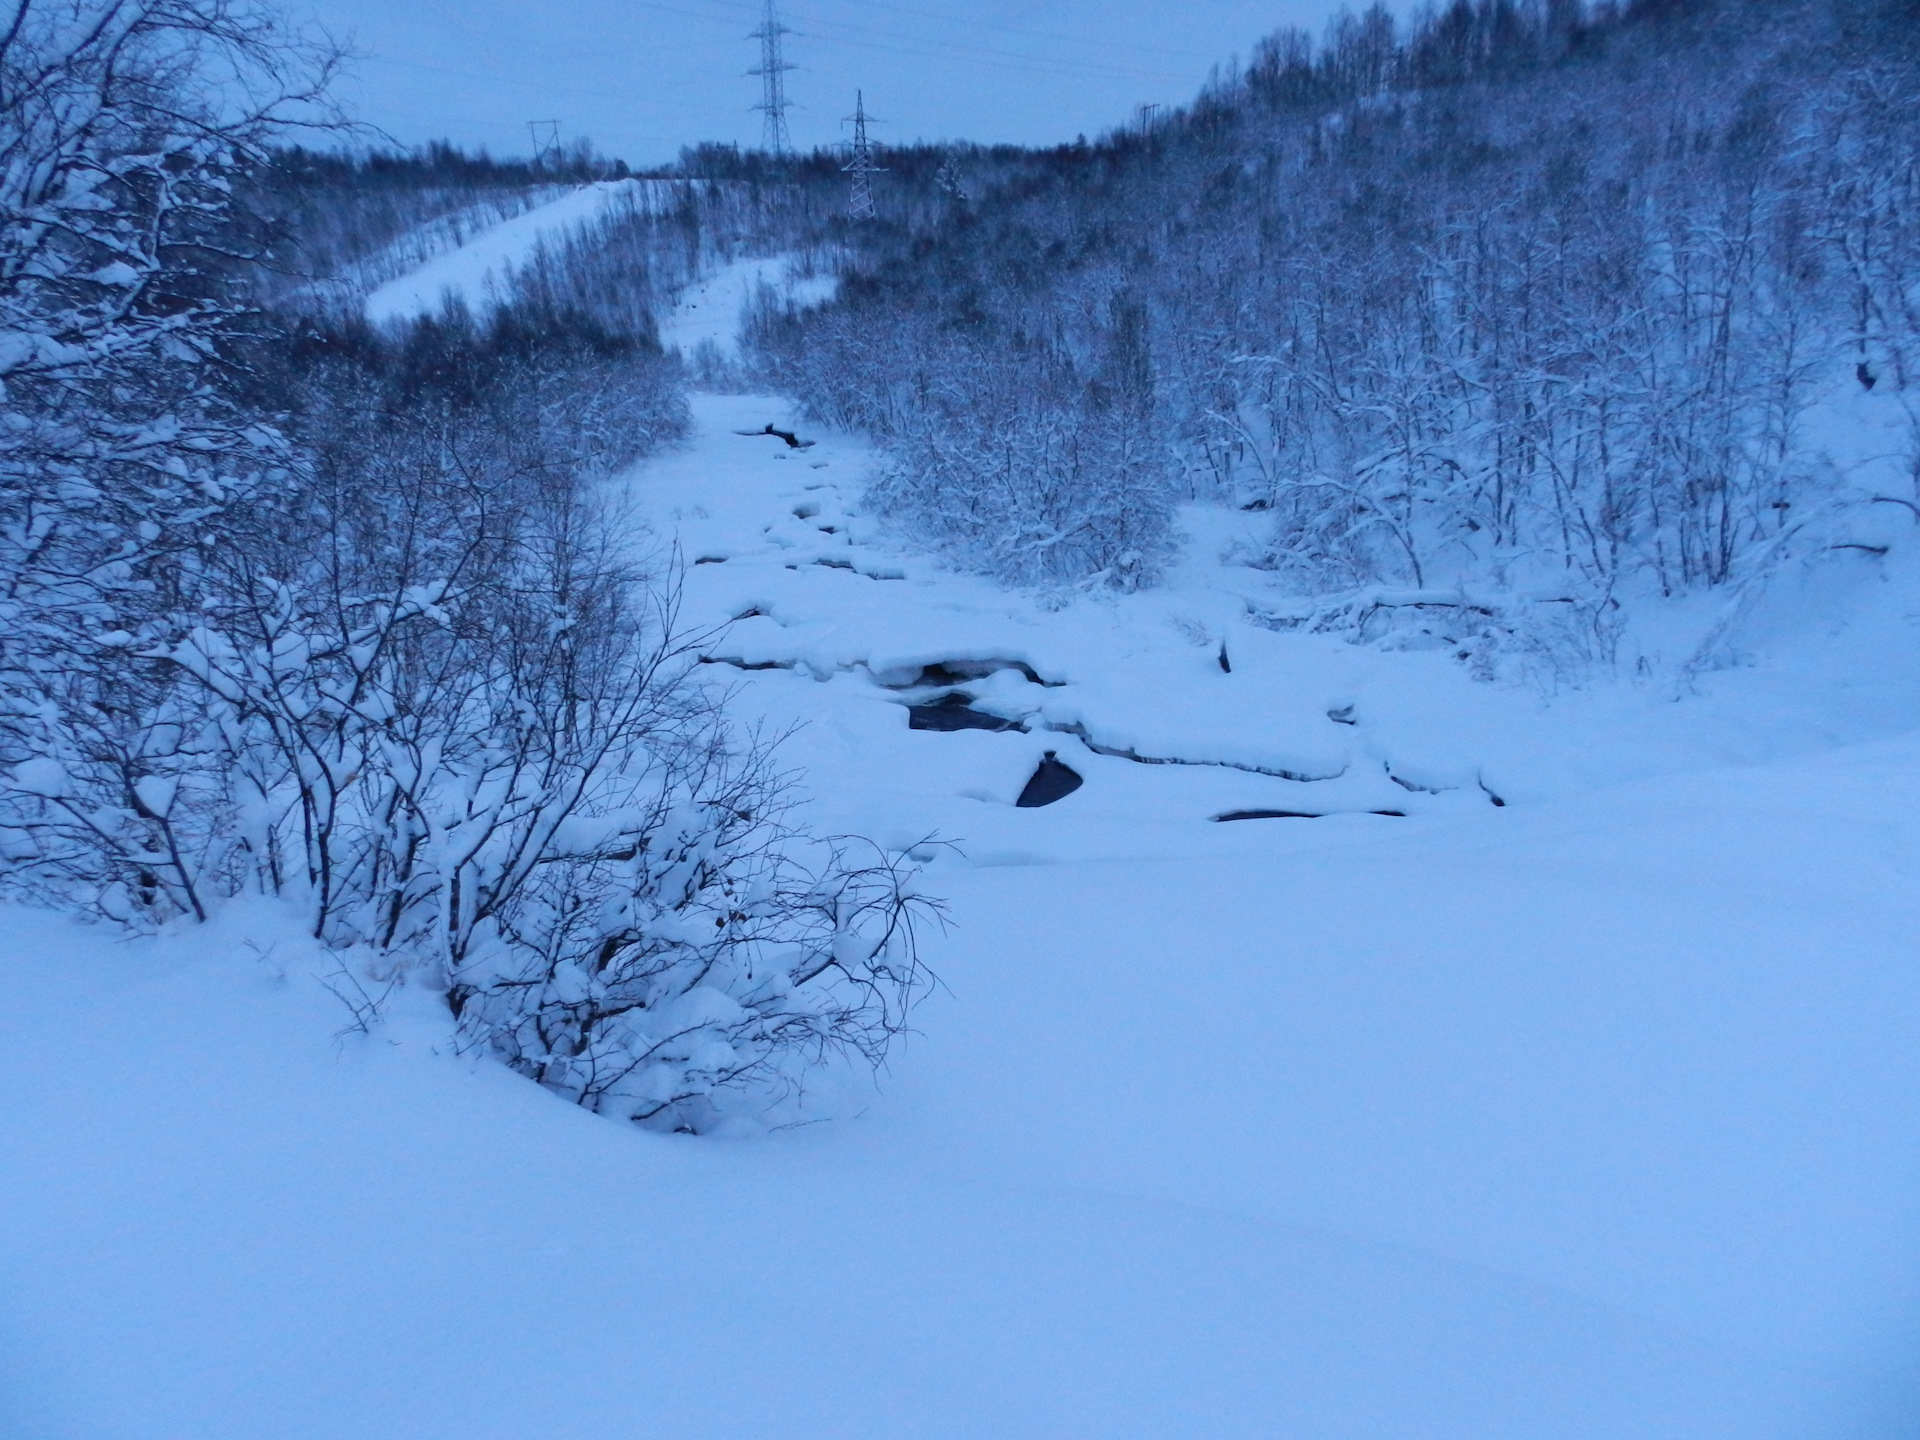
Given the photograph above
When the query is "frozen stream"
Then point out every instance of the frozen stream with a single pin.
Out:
(1589, 1115)
(1636, 1041)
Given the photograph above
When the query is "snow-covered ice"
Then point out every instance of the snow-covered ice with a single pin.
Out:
(1595, 1113)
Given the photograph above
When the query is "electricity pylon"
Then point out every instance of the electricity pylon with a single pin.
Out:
(546, 140)
(772, 71)
(861, 166)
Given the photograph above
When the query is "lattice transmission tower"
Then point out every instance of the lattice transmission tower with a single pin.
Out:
(546, 140)
(861, 166)
(772, 71)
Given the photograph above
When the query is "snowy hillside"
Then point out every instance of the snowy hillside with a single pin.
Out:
(1592, 1113)
(1275, 797)
(476, 272)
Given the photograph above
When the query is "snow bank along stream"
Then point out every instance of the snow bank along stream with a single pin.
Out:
(1559, 1079)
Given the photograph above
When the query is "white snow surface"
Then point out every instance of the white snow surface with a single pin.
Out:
(710, 309)
(1594, 1114)
(478, 273)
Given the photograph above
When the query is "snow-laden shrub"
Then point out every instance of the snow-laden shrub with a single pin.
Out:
(424, 693)
(333, 615)
(708, 946)
(1034, 500)
(493, 760)
(123, 125)
(517, 788)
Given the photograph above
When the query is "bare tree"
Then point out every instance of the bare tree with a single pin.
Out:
(1458, 315)
(476, 746)
(123, 126)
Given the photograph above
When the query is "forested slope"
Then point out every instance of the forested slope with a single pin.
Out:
(1528, 297)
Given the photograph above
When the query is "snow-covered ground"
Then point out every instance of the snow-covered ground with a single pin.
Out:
(711, 308)
(1593, 1113)
(475, 273)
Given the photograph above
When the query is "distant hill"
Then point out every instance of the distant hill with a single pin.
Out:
(1539, 298)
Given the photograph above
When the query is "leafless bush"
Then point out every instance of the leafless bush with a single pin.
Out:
(339, 616)
(123, 124)
(477, 743)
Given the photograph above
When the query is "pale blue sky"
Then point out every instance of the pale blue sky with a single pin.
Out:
(643, 77)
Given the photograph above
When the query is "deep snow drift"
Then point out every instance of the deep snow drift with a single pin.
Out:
(1592, 1113)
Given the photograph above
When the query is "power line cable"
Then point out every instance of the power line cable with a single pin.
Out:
(916, 48)
(624, 97)
(1093, 40)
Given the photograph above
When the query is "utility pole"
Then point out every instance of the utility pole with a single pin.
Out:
(861, 166)
(772, 71)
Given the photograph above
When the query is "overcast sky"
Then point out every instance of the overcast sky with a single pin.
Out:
(643, 77)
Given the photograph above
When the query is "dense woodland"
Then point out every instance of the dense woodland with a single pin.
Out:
(1528, 297)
